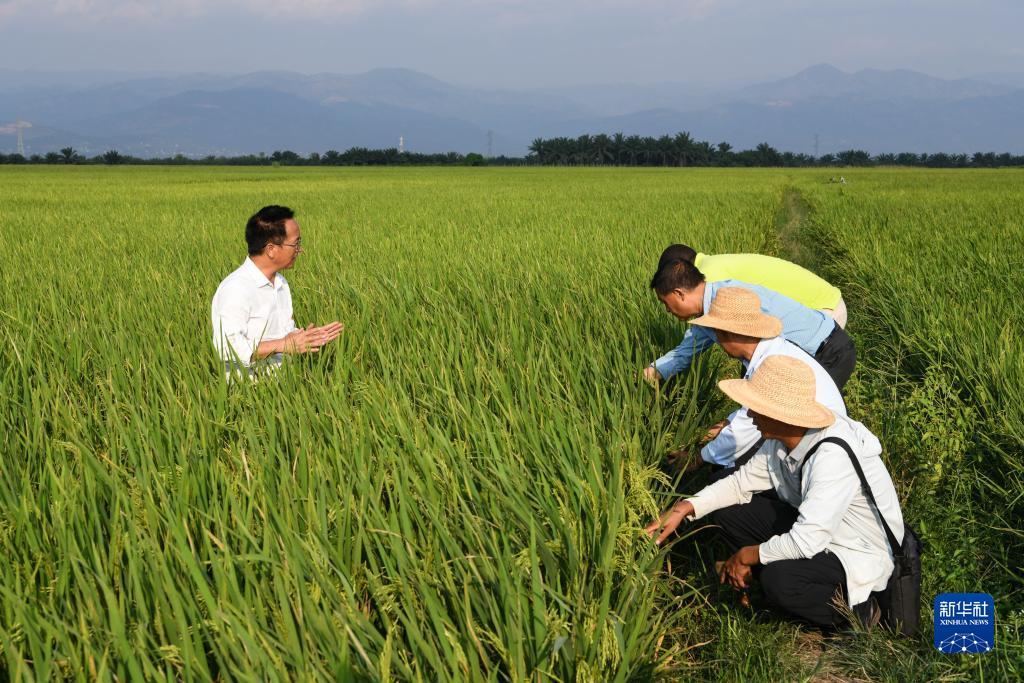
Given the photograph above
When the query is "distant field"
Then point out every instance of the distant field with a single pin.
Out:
(456, 490)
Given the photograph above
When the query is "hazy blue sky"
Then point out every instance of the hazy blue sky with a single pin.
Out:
(517, 43)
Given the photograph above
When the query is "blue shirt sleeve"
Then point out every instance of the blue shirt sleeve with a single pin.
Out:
(735, 439)
(696, 340)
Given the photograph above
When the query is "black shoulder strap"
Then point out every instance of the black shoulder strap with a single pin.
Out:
(897, 549)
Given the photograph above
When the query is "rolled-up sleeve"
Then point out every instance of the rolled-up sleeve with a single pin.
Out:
(735, 489)
(828, 491)
(230, 316)
(696, 340)
(733, 441)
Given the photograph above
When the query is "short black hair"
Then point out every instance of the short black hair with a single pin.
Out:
(266, 226)
(677, 274)
(677, 252)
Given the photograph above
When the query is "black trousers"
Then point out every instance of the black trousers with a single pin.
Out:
(838, 356)
(807, 588)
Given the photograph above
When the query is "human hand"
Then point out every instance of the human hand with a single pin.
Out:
(652, 376)
(329, 332)
(682, 460)
(736, 571)
(714, 431)
(311, 339)
(678, 458)
(669, 521)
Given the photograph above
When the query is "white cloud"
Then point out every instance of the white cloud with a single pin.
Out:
(103, 9)
(9, 7)
(310, 8)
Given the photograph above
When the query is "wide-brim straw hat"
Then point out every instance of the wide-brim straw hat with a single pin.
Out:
(738, 310)
(783, 388)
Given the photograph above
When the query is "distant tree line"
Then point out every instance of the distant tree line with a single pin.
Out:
(585, 150)
(683, 150)
(356, 156)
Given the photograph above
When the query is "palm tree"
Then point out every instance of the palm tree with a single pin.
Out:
(650, 150)
(539, 149)
(768, 155)
(723, 151)
(584, 146)
(663, 148)
(602, 148)
(682, 147)
(562, 150)
(634, 146)
(69, 155)
(618, 146)
(702, 153)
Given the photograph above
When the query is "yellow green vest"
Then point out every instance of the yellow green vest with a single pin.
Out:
(784, 277)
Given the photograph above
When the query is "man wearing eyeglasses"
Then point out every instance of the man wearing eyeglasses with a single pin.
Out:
(253, 324)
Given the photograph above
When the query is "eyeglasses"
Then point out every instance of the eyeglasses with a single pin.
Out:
(296, 245)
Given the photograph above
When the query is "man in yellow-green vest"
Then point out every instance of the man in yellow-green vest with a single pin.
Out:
(769, 272)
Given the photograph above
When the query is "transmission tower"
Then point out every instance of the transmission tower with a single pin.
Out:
(401, 144)
(815, 145)
(490, 144)
(17, 127)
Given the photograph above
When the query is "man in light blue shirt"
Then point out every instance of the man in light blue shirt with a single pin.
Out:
(681, 287)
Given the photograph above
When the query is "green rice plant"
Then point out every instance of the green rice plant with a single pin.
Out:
(456, 490)
(930, 261)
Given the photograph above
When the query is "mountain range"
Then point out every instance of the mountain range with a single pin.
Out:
(820, 109)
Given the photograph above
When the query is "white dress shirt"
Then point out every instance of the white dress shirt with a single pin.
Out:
(740, 434)
(834, 514)
(247, 309)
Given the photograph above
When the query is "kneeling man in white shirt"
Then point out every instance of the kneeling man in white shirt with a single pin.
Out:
(816, 540)
(253, 324)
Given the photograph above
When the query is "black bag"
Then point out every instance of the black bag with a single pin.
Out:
(901, 599)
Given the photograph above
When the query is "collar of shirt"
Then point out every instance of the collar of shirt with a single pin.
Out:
(760, 350)
(763, 348)
(254, 272)
(796, 456)
(709, 293)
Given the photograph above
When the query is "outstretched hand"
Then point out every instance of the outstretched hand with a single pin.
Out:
(311, 339)
(652, 376)
(665, 526)
(713, 431)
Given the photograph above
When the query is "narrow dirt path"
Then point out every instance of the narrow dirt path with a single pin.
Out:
(789, 229)
(791, 243)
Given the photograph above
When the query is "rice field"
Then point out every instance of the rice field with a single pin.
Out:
(455, 490)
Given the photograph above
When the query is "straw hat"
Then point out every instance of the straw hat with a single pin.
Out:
(738, 310)
(783, 388)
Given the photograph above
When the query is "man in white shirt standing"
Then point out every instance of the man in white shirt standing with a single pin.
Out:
(252, 316)
(820, 539)
(749, 335)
